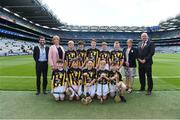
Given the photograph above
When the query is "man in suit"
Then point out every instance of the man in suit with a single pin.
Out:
(146, 50)
(40, 55)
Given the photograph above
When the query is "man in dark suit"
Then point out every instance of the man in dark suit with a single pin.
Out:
(40, 55)
(146, 50)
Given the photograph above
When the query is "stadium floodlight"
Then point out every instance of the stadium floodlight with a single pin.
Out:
(171, 23)
(55, 28)
(37, 24)
(137, 31)
(164, 27)
(31, 22)
(84, 27)
(64, 29)
(104, 27)
(164, 24)
(161, 30)
(74, 30)
(16, 15)
(113, 27)
(93, 30)
(102, 30)
(94, 27)
(6, 9)
(24, 18)
(171, 28)
(83, 30)
(174, 26)
(45, 26)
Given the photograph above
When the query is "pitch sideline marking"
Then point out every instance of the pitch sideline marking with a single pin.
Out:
(50, 77)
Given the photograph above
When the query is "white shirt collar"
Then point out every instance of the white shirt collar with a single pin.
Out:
(41, 46)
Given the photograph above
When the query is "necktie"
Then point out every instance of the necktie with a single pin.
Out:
(143, 44)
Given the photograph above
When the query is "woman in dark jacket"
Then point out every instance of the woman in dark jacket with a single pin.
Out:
(130, 55)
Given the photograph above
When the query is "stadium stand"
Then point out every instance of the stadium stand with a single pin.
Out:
(27, 20)
(10, 47)
(168, 49)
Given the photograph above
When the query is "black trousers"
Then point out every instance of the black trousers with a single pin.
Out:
(41, 68)
(145, 70)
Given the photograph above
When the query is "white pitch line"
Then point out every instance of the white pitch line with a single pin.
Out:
(17, 76)
(50, 77)
(166, 76)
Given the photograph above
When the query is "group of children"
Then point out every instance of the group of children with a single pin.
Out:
(89, 73)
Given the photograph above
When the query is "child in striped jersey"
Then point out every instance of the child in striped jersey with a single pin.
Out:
(74, 77)
(88, 87)
(102, 81)
(58, 81)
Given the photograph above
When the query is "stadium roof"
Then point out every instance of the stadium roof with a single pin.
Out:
(170, 24)
(32, 10)
(103, 28)
(37, 12)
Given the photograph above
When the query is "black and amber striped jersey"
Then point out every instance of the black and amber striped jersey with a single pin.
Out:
(113, 73)
(69, 56)
(105, 55)
(74, 76)
(106, 73)
(91, 75)
(93, 54)
(117, 56)
(81, 54)
(58, 77)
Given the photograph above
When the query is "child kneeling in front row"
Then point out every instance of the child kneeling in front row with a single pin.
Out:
(116, 82)
(102, 81)
(58, 83)
(88, 87)
(74, 77)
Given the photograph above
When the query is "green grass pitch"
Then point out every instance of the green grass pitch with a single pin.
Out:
(18, 100)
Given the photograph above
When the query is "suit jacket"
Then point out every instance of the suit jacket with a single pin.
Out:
(147, 52)
(54, 56)
(36, 53)
(132, 57)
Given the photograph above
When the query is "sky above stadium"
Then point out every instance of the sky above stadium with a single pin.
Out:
(114, 12)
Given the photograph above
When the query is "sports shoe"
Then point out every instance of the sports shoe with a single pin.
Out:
(123, 99)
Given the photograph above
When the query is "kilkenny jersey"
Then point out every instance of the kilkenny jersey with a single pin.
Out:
(99, 73)
(112, 73)
(81, 54)
(69, 56)
(105, 55)
(74, 76)
(91, 75)
(116, 56)
(58, 77)
(93, 54)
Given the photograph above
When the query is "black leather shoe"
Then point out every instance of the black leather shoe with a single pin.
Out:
(149, 93)
(141, 89)
(45, 93)
(37, 93)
